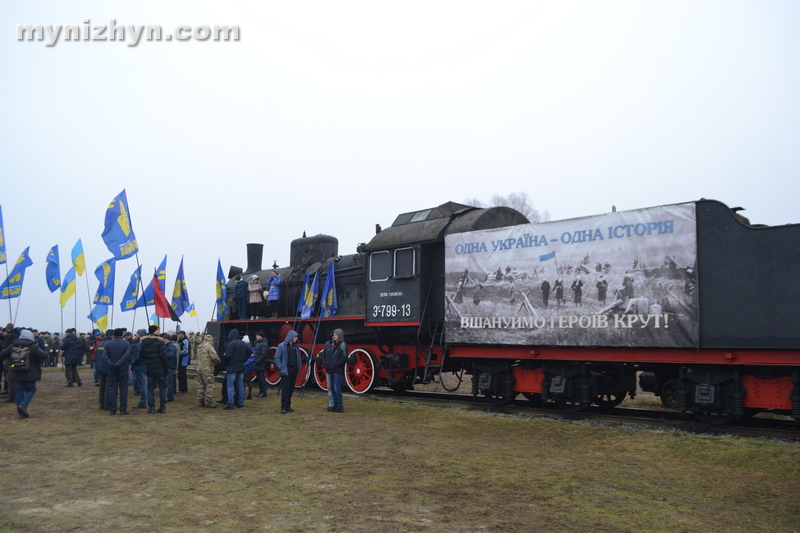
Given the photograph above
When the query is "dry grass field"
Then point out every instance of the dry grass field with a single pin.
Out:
(380, 466)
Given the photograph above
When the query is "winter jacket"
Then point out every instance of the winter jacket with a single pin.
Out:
(183, 351)
(274, 284)
(114, 354)
(137, 363)
(154, 353)
(70, 348)
(207, 357)
(236, 353)
(262, 355)
(34, 373)
(172, 356)
(283, 352)
(334, 356)
(256, 292)
(240, 289)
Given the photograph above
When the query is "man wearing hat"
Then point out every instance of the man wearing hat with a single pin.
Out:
(115, 356)
(154, 353)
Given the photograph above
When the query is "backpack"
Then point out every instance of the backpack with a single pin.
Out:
(20, 358)
(249, 364)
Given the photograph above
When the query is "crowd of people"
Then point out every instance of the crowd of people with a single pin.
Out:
(149, 360)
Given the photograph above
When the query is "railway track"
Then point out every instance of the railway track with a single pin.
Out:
(756, 427)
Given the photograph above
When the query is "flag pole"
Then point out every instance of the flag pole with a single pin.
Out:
(10, 314)
(141, 287)
(89, 297)
(17, 310)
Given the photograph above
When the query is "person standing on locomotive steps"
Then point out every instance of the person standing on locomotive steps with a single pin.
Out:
(274, 293)
(207, 359)
(288, 361)
(154, 353)
(115, 356)
(240, 297)
(25, 379)
(236, 353)
(69, 351)
(335, 361)
(184, 357)
(261, 362)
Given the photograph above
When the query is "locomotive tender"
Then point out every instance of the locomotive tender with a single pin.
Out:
(697, 302)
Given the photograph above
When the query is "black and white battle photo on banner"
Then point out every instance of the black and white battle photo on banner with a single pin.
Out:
(618, 279)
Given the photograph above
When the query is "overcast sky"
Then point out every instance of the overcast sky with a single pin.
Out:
(329, 117)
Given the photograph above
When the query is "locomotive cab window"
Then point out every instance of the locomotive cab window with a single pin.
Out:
(404, 263)
(380, 266)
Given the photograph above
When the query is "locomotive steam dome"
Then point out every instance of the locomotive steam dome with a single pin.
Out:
(310, 250)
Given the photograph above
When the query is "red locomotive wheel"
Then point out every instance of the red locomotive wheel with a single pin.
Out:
(272, 373)
(360, 377)
(320, 376)
(304, 372)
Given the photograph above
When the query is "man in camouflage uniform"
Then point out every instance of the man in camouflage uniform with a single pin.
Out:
(207, 359)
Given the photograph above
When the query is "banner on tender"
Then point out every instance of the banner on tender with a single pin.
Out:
(623, 279)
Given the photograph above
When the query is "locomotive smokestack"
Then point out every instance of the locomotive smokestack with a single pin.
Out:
(254, 254)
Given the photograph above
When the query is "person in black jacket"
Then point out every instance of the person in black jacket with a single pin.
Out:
(69, 350)
(261, 362)
(236, 353)
(154, 353)
(25, 380)
(335, 359)
(115, 357)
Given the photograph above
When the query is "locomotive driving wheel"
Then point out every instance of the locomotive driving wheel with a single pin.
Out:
(361, 375)
(320, 376)
(304, 372)
(272, 374)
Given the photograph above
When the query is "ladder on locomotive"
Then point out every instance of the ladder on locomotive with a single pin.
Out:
(432, 370)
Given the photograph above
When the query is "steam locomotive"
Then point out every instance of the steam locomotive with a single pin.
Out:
(690, 299)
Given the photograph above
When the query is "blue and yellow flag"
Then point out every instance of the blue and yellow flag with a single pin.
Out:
(118, 233)
(78, 260)
(548, 259)
(222, 292)
(191, 310)
(310, 296)
(52, 270)
(105, 274)
(12, 286)
(68, 286)
(329, 304)
(132, 292)
(180, 296)
(2, 238)
(148, 297)
(100, 316)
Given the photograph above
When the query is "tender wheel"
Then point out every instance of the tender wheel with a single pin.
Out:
(361, 376)
(304, 372)
(668, 393)
(272, 374)
(498, 400)
(609, 400)
(320, 376)
(716, 419)
(535, 399)
(570, 406)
